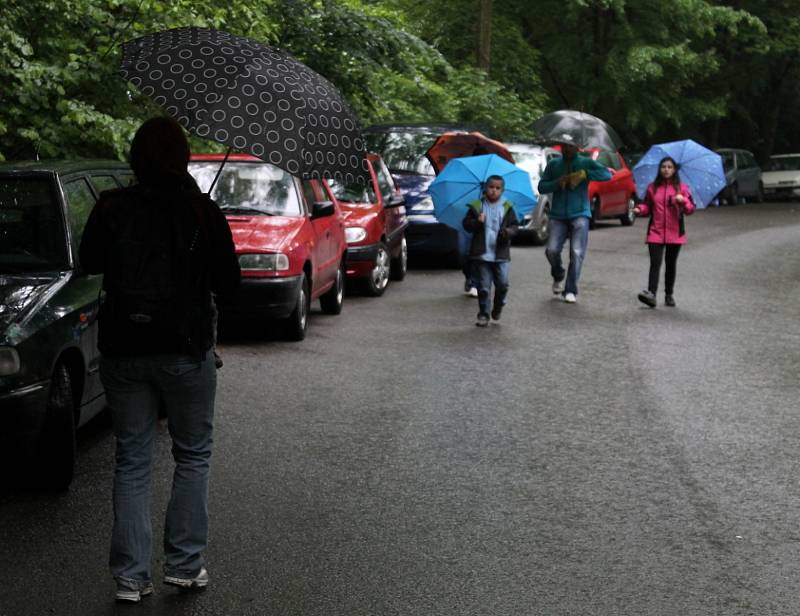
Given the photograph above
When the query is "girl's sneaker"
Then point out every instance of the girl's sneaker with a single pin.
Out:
(669, 300)
(647, 297)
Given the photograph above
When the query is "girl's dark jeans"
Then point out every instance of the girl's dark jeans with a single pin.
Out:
(656, 257)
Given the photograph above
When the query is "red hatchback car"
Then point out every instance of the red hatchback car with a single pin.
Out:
(289, 237)
(615, 198)
(375, 224)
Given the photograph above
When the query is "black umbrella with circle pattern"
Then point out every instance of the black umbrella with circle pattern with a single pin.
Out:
(251, 97)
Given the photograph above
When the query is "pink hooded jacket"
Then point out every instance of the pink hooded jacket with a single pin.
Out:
(666, 216)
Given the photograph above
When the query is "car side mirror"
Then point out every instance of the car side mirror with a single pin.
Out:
(322, 208)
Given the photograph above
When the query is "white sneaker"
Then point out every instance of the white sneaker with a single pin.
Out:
(198, 581)
(473, 292)
(558, 287)
(570, 298)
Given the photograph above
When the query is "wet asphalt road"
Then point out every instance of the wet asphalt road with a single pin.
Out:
(595, 459)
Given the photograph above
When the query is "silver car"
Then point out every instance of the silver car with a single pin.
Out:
(534, 158)
(742, 175)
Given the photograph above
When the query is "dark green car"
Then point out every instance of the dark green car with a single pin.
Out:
(49, 381)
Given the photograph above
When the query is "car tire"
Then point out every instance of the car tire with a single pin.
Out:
(297, 322)
(333, 300)
(542, 233)
(54, 463)
(732, 195)
(629, 217)
(399, 265)
(378, 278)
(595, 207)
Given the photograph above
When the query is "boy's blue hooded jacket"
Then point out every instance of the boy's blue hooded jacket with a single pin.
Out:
(571, 203)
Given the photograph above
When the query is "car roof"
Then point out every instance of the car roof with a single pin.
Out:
(62, 167)
(785, 155)
(733, 150)
(425, 127)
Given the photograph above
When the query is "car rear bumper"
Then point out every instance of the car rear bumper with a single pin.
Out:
(431, 238)
(782, 192)
(272, 298)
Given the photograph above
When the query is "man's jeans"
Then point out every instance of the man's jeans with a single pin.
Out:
(485, 273)
(135, 388)
(577, 230)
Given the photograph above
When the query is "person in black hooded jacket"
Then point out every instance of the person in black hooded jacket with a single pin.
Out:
(163, 248)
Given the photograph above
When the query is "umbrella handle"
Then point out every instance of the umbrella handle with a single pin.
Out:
(216, 177)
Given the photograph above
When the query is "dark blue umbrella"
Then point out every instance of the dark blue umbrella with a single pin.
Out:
(462, 181)
(698, 167)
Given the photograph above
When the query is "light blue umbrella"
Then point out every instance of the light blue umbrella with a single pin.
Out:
(698, 167)
(462, 180)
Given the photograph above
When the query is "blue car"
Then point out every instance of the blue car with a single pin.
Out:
(403, 147)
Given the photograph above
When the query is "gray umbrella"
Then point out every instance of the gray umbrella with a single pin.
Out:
(251, 97)
(579, 128)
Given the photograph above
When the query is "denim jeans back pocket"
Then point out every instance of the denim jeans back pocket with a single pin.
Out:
(182, 367)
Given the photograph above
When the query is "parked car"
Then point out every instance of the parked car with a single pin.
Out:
(49, 379)
(403, 147)
(616, 197)
(289, 237)
(533, 158)
(742, 176)
(375, 223)
(781, 177)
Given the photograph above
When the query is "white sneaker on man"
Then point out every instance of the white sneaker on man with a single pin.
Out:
(570, 298)
(558, 287)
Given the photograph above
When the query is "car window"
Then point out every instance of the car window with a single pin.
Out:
(783, 163)
(127, 179)
(727, 160)
(385, 182)
(104, 182)
(32, 236)
(531, 161)
(403, 151)
(249, 188)
(608, 159)
(749, 160)
(80, 201)
(353, 192)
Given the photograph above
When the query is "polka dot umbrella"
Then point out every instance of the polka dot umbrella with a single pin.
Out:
(250, 97)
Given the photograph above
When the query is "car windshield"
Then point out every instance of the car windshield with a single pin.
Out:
(257, 189)
(32, 234)
(352, 193)
(783, 163)
(727, 160)
(403, 152)
(531, 160)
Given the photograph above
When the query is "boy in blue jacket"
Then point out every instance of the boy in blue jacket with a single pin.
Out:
(567, 178)
(492, 222)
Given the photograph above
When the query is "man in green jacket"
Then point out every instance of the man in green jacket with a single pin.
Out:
(567, 178)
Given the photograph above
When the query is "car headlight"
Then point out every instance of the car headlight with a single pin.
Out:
(272, 262)
(9, 361)
(354, 234)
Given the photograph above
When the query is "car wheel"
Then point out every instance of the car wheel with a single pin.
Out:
(399, 266)
(732, 197)
(629, 217)
(542, 233)
(332, 301)
(379, 276)
(54, 464)
(595, 212)
(297, 322)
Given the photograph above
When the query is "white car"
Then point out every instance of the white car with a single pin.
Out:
(781, 177)
(533, 158)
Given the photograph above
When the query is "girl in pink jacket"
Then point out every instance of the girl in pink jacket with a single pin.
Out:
(666, 202)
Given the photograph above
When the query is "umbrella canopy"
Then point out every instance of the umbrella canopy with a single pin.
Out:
(463, 179)
(698, 167)
(577, 128)
(251, 97)
(456, 144)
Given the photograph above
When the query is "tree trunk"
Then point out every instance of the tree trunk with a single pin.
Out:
(485, 35)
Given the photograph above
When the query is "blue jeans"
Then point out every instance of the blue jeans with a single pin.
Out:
(485, 273)
(577, 230)
(464, 244)
(135, 388)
